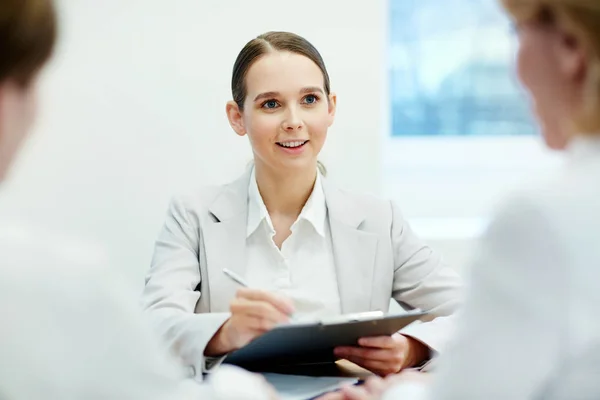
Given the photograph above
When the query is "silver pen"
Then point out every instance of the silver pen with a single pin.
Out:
(235, 277)
(240, 281)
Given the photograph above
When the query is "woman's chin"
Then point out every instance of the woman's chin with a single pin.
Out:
(552, 130)
(298, 164)
(554, 139)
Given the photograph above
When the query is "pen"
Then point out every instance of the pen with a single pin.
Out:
(239, 280)
(235, 277)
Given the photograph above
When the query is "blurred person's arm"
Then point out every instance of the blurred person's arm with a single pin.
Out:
(72, 331)
(170, 294)
(509, 334)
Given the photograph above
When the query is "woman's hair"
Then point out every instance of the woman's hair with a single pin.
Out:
(580, 18)
(27, 35)
(267, 43)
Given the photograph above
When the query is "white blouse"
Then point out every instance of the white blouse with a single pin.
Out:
(304, 268)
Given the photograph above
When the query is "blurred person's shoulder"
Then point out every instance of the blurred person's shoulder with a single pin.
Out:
(569, 196)
(47, 260)
(562, 206)
(64, 306)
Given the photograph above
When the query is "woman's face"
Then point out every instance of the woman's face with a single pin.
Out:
(551, 66)
(286, 112)
(17, 112)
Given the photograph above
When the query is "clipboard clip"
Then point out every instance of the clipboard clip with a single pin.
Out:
(352, 317)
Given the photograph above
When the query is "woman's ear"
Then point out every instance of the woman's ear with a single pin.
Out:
(571, 57)
(235, 117)
(332, 104)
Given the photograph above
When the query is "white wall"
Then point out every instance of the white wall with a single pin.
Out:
(449, 188)
(133, 110)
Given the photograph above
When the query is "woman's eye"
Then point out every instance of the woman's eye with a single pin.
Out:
(311, 99)
(270, 104)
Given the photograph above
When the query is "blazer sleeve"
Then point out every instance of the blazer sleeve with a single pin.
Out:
(422, 280)
(509, 339)
(170, 294)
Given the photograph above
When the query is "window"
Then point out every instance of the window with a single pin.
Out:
(451, 70)
(461, 134)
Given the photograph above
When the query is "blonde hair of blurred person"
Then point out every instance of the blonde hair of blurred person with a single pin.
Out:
(559, 64)
(529, 329)
(70, 331)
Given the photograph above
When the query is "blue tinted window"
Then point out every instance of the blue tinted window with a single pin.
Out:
(451, 70)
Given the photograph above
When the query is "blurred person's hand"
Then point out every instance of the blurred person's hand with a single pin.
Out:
(253, 312)
(372, 389)
(247, 386)
(375, 387)
(385, 355)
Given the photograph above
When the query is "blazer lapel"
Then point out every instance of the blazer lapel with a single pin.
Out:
(354, 250)
(225, 242)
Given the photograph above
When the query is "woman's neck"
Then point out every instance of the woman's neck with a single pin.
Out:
(285, 192)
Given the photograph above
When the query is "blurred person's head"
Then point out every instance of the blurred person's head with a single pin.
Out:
(559, 64)
(27, 36)
(282, 100)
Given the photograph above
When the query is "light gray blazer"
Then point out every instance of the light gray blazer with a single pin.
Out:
(376, 254)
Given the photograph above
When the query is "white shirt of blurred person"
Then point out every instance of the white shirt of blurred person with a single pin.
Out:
(69, 329)
(530, 328)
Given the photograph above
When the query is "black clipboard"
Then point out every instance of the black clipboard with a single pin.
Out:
(313, 343)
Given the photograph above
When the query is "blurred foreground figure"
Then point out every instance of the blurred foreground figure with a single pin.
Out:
(530, 329)
(68, 329)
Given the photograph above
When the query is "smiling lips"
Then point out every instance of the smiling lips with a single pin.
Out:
(292, 144)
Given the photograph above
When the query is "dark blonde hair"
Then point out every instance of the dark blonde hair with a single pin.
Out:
(27, 36)
(580, 18)
(264, 44)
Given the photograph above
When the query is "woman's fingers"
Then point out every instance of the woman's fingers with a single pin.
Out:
(258, 310)
(384, 355)
(254, 312)
(282, 303)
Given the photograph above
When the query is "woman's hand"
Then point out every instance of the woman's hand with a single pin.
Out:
(385, 355)
(253, 312)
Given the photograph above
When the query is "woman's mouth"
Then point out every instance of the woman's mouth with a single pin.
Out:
(292, 147)
(292, 144)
